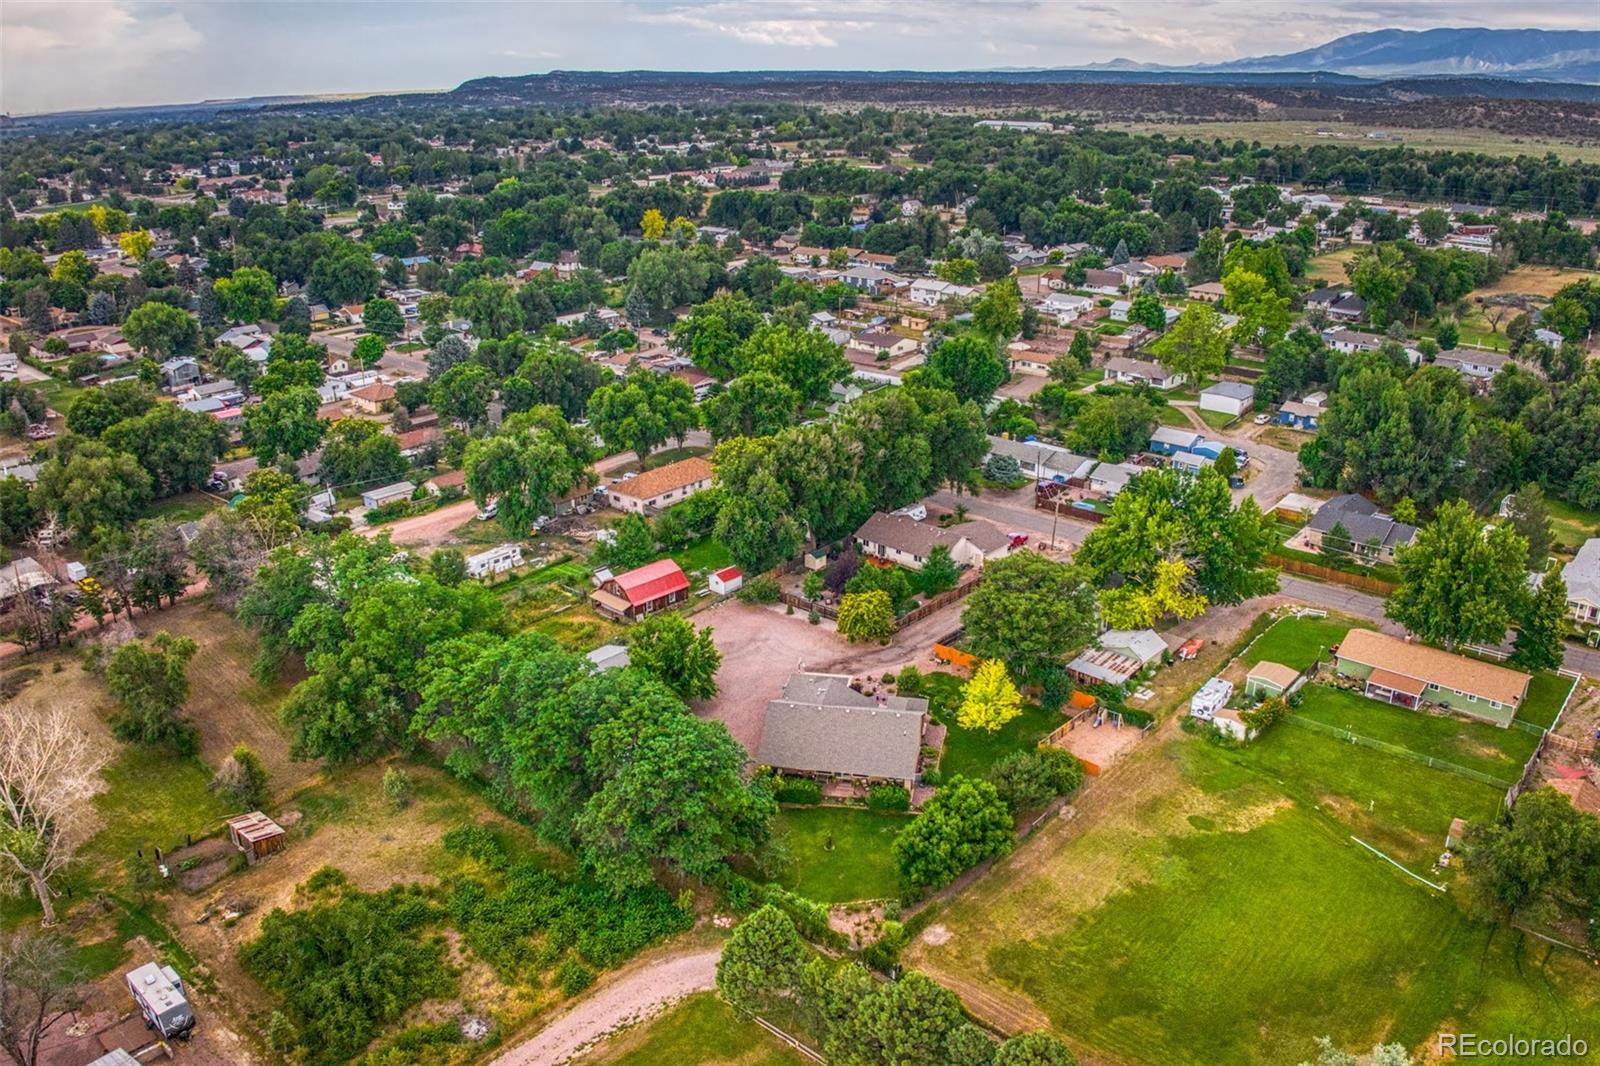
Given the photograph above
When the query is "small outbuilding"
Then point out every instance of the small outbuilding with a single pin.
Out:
(256, 835)
(400, 490)
(727, 581)
(1228, 397)
(1268, 679)
(1212, 697)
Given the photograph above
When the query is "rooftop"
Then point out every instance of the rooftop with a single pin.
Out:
(822, 725)
(663, 479)
(906, 534)
(1435, 667)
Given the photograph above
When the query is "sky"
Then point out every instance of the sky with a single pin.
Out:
(66, 54)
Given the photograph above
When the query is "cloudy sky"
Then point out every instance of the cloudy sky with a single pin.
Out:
(64, 54)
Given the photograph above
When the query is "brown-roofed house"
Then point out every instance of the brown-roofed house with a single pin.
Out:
(369, 399)
(450, 479)
(822, 727)
(904, 540)
(657, 489)
(1409, 674)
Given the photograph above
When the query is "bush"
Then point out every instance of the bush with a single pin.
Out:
(761, 589)
(476, 842)
(888, 798)
(1023, 781)
(815, 617)
(573, 977)
(398, 787)
(242, 779)
(809, 916)
(798, 790)
(1066, 772)
(908, 682)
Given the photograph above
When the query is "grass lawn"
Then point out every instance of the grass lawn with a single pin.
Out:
(700, 1031)
(152, 799)
(859, 866)
(1545, 694)
(1329, 266)
(187, 507)
(1209, 907)
(973, 752)
(1487, 749)
(1171, 416)
(1296, 642)
(658, 458)
(1573, 525)
(1217, 419)
(704, 554)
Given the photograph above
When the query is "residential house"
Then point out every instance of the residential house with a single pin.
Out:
(1349, 340)
(870, 280)
(1023, 359)
(19, 577)
(1104, 282)
(1129, 371)
(1342, 305)
(1119, 310)
(821, 727)
(450, 480)
(1210, 292)
(400, 490)
(1228, 397)
(653, 587)
(1120, 655)
(697, 380)
(1303, 414)
(180, 373)
(608, 657)
(1582, 577)
(931, 292)
(904, 540)
(1472, 363)
(370, 399)
(658, 489)
(1170, 440)
(1409, 674)
(1043, 462)
(1373, 535)
(882, 343)
(1065, 307)
(1108, 479)
(496, 560)
(413, 442)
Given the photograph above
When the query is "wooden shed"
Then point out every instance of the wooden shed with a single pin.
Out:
(256, 835)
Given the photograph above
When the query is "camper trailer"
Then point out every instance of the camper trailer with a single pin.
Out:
(159, 992)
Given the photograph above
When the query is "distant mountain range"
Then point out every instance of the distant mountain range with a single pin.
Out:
(1542, 55)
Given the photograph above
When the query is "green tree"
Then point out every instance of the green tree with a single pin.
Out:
(356, 451)
(177, 448)
(463, 393)
(97, 410)
(535, 460)
(989, 700)
(284, 425)
(249, 295)
(972, 365)
(908, 1021)
(866, 616)
(642, 411)
(1034, 1049)
(753, 405)
(712, 332)
(1433, 223)
(1543, 625)
(383, 318)
(1529, 515)
(93, 486)
(761, 963)
(1081, 351)
(939, 573)
(1460, 583)
(491, 306)
(136, 244)
(685, 658)
(1379, 275)
(1263, 313)
(369, 349)
(242, 780)
(998, 312)
(1028, 612)
(634, 543)
(161, 329)
(1114, 427)
(1196, 346)
(965, 823)
(150, 681)
(1545, 849)
(803, 359)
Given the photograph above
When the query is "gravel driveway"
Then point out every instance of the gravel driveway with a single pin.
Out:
(632, 997)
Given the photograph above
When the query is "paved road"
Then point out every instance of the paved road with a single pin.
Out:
(633, 996)
(696, 438)
(1365, 605)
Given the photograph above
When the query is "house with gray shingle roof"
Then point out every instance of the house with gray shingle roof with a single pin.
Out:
(1582, 577)
(906, 541)
(1373, 535)
(821, 727)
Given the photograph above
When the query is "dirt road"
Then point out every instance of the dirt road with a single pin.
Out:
(631, 997)
(427, 530)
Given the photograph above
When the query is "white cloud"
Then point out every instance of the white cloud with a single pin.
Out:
(63, 55)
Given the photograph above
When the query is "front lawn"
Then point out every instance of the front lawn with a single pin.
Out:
(1217, 419)
(973, 752)
(838, 854)
(1298, 642)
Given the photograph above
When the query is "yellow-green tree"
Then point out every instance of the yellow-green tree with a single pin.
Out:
(990, 699)
(654, 225)
(1135, 607)
(136, 244)
(866, 616)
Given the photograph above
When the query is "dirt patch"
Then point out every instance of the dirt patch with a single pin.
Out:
(1542, 281)
(936, 935)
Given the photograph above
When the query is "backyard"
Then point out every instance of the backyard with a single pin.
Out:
(973, 752)
(840, 854)
(1208, 906)
(1299, 642)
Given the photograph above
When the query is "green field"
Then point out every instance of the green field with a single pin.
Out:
(973, 752)
(700, 1031)
(1298, 642)
(1211, 908)
(859, 864)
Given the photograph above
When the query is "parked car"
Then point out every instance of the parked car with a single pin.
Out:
(1262, 419)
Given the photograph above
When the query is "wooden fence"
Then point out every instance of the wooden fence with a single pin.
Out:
(1364, 582)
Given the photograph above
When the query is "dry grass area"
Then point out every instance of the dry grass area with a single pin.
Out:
(1286, 131)
(1329, 266)
(1540, 281)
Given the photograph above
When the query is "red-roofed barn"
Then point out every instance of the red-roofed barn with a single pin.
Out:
(632, 595)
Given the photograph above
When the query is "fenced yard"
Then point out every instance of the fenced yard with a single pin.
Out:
(840, 854)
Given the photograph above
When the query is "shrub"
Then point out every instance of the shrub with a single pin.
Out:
(573, 977)
(908, 682)
(812, 586)
(464, 763)
(476, 842)
(398, 787)
(815, 617)
(888, 798)
(1266, 713)
(1066, 772)
(763, 588)
(1023, 781)
(798, 790)
(242, 779)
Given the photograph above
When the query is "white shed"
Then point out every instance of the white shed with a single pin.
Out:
(1228, 397)
(727, 581)
(400, 490)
